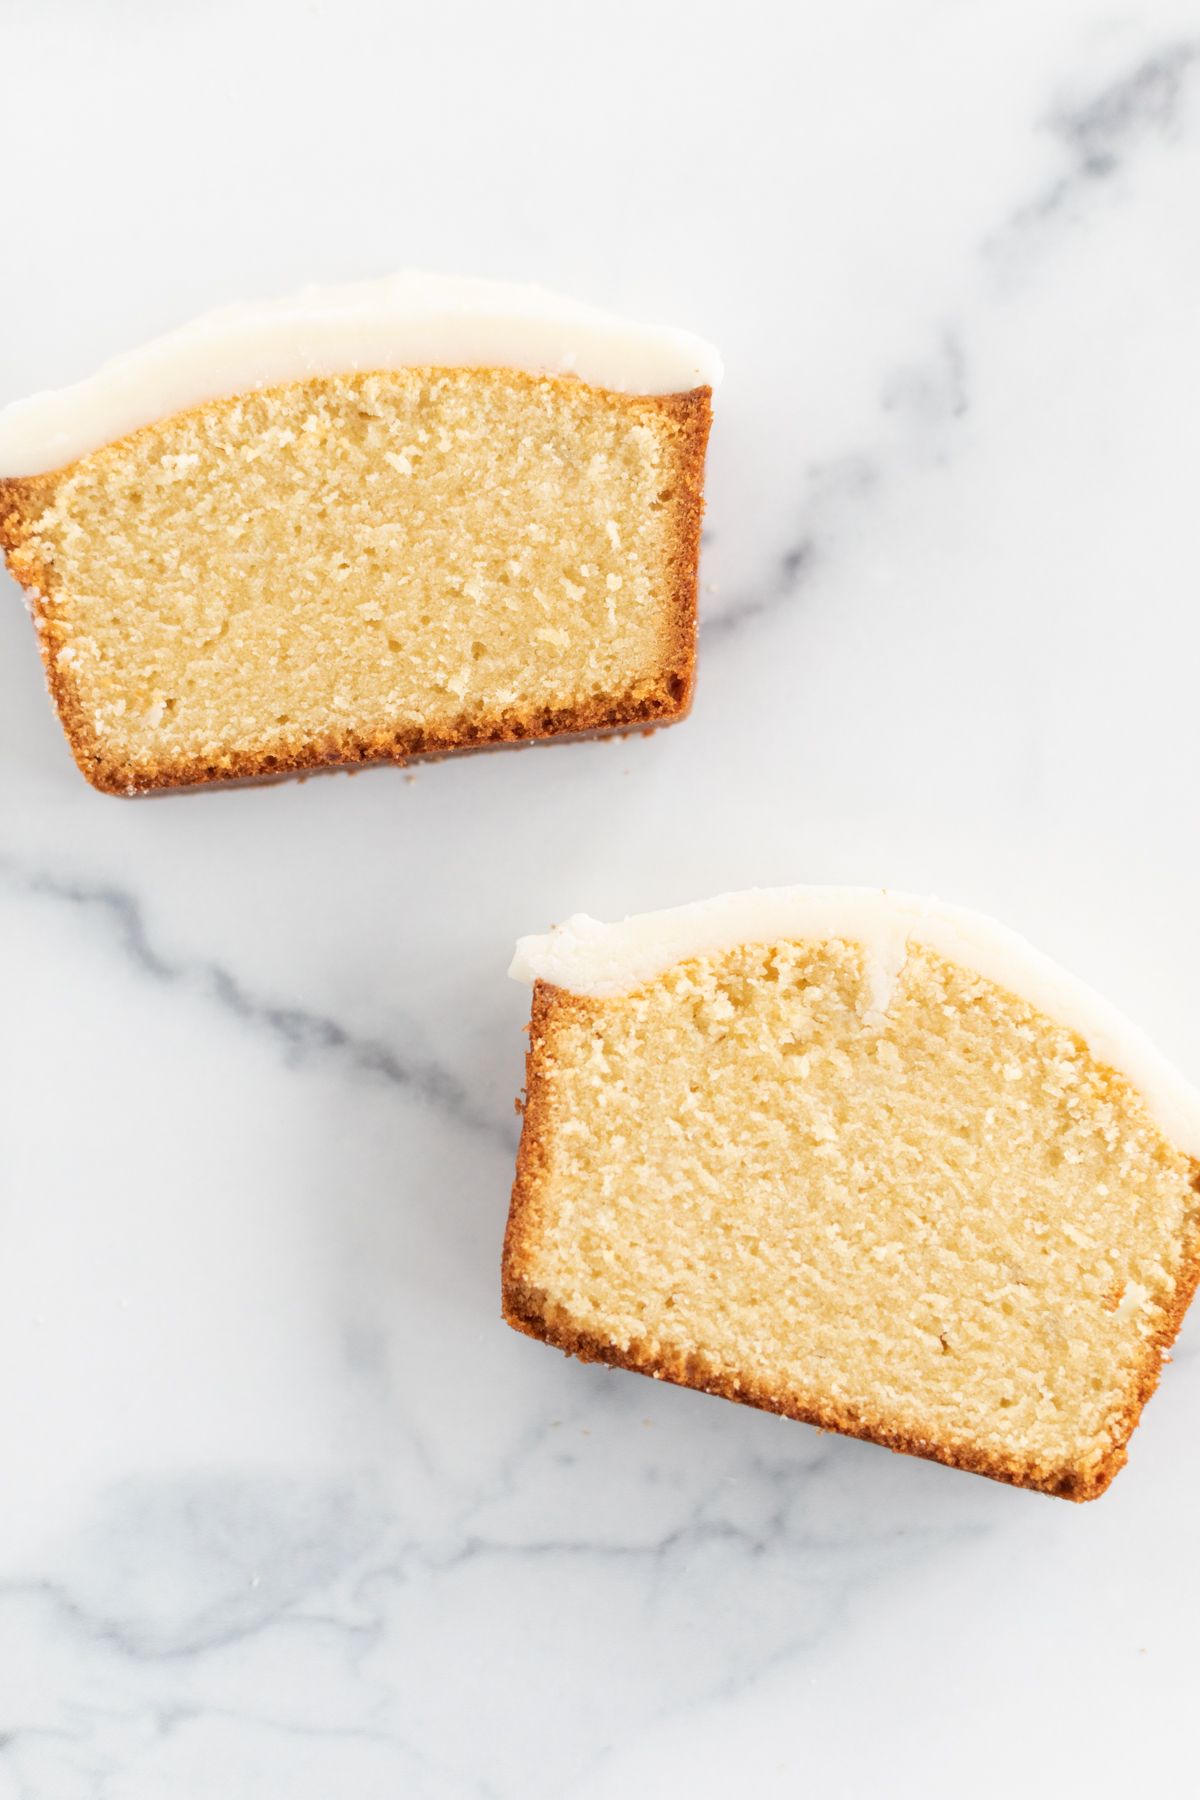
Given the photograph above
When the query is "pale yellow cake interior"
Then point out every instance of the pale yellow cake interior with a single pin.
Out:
(947, 1222)
(366, 556)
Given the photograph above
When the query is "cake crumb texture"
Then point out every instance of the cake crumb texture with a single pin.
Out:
(945, 1228)
(366, 567)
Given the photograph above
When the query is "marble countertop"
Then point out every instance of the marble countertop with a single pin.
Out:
(286, 1510)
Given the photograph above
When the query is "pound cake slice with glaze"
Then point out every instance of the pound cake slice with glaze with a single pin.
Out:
(374, 522)
(865, 1160)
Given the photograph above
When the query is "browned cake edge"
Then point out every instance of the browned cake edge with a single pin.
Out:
(22, 500)
(525, 1308)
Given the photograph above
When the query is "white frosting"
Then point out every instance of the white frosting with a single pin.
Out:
(587, 957)
(408, 320)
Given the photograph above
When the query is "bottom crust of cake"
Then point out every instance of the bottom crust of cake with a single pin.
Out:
(528, 1309)
(523, 1309)
(605, 717)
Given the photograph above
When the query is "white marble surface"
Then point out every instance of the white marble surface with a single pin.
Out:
(285, 1509)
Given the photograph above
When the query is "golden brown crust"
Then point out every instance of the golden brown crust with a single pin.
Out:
(527, 1309)
(532, 1165)
(22, 500)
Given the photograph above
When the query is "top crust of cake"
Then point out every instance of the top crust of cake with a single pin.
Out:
(586, 957)
(407, 320)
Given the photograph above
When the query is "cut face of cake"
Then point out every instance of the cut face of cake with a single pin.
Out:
(865, 1160)
(376, 522)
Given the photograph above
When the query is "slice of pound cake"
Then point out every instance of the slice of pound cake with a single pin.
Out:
(371, 523)
(866, 1160)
